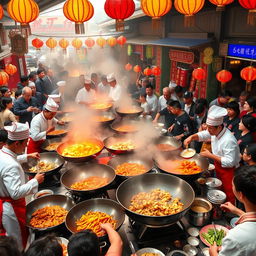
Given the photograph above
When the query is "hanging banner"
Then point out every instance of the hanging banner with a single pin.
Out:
(181, 56)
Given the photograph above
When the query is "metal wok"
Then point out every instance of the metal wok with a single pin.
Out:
(110, 116)
(134, 124)
(164, 164)
(108, 106)
(82, 171)
(58, 127)
(147, 162)
(133, 111)
(51, 157)
(46, 143)
(147, 182)
(171, 141)
(108, 142)
(98, 204)
(51, 200)
(62, 146)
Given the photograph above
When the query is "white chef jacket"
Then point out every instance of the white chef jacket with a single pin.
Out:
(39, 126)
(103, 89)
(162, 103)
(240, 241)
(153, 103)
(224, 145)
(115, 92)
(145, 106)
(12, 184)
(85, 96)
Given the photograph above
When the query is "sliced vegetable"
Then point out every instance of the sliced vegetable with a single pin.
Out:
(212, 237)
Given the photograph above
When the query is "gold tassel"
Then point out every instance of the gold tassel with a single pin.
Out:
(220, 8)
(248, 86)
(156, 21)
(198, 84)
(79, 28)
(25, 30)
(222, 85)
(189, 21)
(119, 25)
(251, 18)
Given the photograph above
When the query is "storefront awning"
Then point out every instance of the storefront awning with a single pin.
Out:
(184, 43)
(141, 40)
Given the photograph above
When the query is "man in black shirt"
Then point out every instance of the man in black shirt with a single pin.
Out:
(189, 105)
(23, 82)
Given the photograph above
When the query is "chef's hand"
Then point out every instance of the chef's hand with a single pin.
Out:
(206, 153)
(39, 177)
(187, 141)
(50, 129)
(61, 122)
(231, 208)
(30, 109)
(213, 250)
(35, 155)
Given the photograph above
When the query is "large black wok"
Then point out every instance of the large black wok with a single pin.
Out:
(82, 171)
(104, 118)
(147, 182)
(164, 164)
(119, 127)
(133, 158)
(44, 201)
(98, 204)
(46, 143)
(171, 141)
(51, 157)
(132, 111)
(64, 128)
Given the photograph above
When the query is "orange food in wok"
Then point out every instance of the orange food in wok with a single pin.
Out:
(127, 128)
(124, 145)
(48, 216)
(90, 183)
(165, 147)
(56, 132)
(129, 110)
(92, 220)
(101, 118)
(53, 146)
(81, 149)
(130, 169)
(100, 105)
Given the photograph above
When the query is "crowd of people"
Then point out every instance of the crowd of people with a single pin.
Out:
(223, 130)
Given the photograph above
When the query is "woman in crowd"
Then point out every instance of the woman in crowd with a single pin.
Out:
(249, 107)
(231, 121)
(249, 154)
(8, 246)
(5, 92)
(6, 115)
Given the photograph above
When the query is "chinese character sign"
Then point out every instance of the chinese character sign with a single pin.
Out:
(242, 51)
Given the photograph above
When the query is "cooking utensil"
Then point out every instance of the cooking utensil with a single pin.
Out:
(132, 111)
(109, 116)
(190, 250)
(97, 204)
(61, 200)
(187, 153)
(161, 160)
(214, 228)
(80, 172)
(108, 106)
(47, 142)
(62, 146)
(171, 141)
(58, 127)
(147, 182)
(129, 123)
(51, 157)
(41, 193)
(132, 158)
(149, 250)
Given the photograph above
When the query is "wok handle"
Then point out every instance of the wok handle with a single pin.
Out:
(131, 245)
(103, 244)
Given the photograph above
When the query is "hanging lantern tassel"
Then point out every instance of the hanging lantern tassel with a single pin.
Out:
(156, 22)
(25, 30)
(119, 25)
(79, 28)
(251, 18)
(222, 85)
(189, 21)
(198, 85)
(248, 86)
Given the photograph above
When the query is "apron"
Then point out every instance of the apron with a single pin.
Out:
(34, 146)
(226, 176)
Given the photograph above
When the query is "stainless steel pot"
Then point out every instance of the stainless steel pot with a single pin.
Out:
(197, 218)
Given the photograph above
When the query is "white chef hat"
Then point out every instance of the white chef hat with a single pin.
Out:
(111, 77)
(55, 97)
(216, 115)
(31, 84)
(172, 85)
(51, 105)
(61, 83)
(17, 131)
(87, 80)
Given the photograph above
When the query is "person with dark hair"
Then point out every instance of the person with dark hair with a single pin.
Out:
(40, 83)
(247, 126)
(49, 81)
(231, 121)
(23, 82)
(86, 243)
(95, 81)
(225, 150)
(17, 94)
(223, 98)
(189, 105)
(143, 83)
(249, 107)
(240, 240)
(249, 154)
(5, 92)
(45, 246)
(8, 246)
(242, 99)
(202, 101)
(38, 95)
(32, 76)
(103, 87)
(144, 104)
(151, 100)
(6, 115)
(178, 94)
(13, 186)
(182, 126)
(3, 138)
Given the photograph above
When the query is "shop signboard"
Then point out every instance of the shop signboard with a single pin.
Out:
(181, 56)
(242, 51)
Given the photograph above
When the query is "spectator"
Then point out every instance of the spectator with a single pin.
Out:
(45, 246)
(95, 81)
(163, 99)
(17, 95)
(189, 104)
(49, 82)
(143, 83)
(6, 115)
(178, 94)
(8, 246)
(242, 99)
(26, 106)
(223, 98)
(144, 105)
(115, 90)
(103, 87)
(249, 107)
(3, 139)
(5, 92)
(40, 83)
(23, 82)
(152, 101)
(231, 121)
(249, 154)
(32, 76)
(38, 95)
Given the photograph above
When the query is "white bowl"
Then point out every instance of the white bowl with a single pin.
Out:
(41, 193)
(206, 251)
(193, 241)
(149, 250)
(190, 250)
(193, 231)
(188, 153)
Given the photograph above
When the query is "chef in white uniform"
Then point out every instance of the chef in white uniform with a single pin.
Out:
(115, 90)
(225, 149)
(86, 95)
(42, 124)
(13, 186)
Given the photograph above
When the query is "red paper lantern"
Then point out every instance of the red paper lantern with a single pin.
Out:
(10, 69)
(251, 6)
(4, 78)
(128, 66)
(221, 4)
(121, 40)
(112, 41)
(199, 74)
(119, 10)
(89, 42)
(147, 71)
(224, 76)
(156, 71)
(249, 75)
(37, 43)
(101, 42)
(77, 43)
(137, 69)
(1, 12)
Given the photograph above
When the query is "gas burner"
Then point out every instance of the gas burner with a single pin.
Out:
(147, 235)
(79, 198)
(50, 181)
